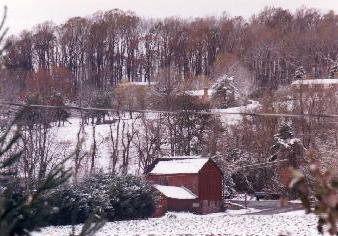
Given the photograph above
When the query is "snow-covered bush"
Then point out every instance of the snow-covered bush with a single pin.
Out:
(73, 206)
(288, 151)
(117, 197)
(132, 198)
(333, 69)
(225, 91)
(300, 73)
(286, 146)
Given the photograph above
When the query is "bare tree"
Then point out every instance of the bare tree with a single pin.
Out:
(149, 141)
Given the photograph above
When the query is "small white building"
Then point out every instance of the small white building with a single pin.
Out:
(315, 83)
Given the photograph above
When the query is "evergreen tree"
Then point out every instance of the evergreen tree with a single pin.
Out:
(289, 150)
(333, 69)
(284, 139)
(300, 73)
(21, 211)
(224, 92)
(285, 132)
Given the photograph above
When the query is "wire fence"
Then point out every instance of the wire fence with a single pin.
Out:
(216, 113)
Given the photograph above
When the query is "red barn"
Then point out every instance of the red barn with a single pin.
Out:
(198, 182)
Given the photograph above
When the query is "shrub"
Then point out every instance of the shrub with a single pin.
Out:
(131, 198)
(118, 198)
(72, 206)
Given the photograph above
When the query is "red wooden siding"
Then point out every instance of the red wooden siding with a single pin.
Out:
(180, 205)
(190, 181)
(210, 182)
(207, 184)
(210, 188)
(162, 206)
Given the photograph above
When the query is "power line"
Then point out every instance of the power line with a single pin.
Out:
(264, 164)
(219, 113)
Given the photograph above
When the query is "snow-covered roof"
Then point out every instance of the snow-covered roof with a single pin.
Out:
(141, 83)
(175, 192)
(179, 166)
(181, 157)
(315, 81)
(200, 93)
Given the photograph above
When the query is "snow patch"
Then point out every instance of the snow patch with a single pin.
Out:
(228, 118)
(175, 192)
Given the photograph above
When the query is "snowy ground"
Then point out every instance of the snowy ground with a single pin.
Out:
(240, 222)
(67, 137)
(228, 118)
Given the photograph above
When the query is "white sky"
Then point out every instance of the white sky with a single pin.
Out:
(24, 14)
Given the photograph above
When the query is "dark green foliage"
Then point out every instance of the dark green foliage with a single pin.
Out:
(285, 132)
(117, 198)
(22, 211)
(72, 207)
(282, 140)
(76, 203)
(225, 91)
(131, 198)
(300, 73)
(333, 69)
(242, 183)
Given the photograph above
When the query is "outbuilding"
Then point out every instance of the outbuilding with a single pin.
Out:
(190, 183)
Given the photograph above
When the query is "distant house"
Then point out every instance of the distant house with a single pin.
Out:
(192, 184)
(315, 84)
(204, 94)
(138, 83)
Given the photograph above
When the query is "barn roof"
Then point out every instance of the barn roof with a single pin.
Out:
(175, 192)
(178, 166)
(315, 81)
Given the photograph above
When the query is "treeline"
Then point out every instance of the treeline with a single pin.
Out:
(111, 46)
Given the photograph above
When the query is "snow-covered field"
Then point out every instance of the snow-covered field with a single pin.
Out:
(241, 222)
(67, 136)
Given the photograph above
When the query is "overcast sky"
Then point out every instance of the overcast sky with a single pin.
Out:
(24, 14)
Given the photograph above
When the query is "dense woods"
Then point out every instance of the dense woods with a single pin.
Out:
(108, 47)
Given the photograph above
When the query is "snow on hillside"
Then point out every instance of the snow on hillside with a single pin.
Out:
(233, 119)
(68, 135)
(242, 222)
